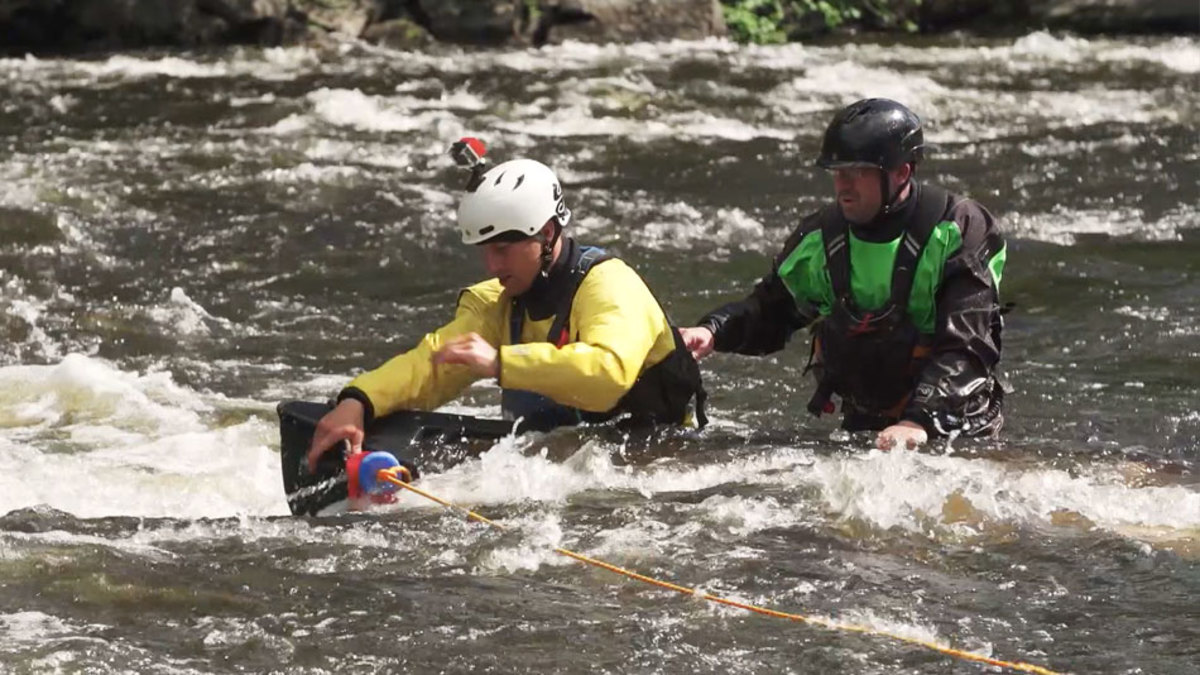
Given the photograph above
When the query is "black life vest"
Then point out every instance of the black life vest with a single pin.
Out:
(660, 395)
(872, 359)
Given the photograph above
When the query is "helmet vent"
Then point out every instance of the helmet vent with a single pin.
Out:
(519, 181)
(855, 114)
(499, 178)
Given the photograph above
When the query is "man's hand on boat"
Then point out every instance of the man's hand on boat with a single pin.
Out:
(472, 351)
(902, 435)
(343, 423)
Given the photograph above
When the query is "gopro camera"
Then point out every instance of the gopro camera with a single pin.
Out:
(468, 152)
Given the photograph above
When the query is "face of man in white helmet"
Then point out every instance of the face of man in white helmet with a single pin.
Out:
(516, 264)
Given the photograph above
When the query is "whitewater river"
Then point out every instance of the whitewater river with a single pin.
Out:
(188, 239)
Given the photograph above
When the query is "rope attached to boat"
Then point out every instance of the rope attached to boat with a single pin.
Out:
(400, 477)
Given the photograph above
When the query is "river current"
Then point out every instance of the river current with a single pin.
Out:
(187, 239)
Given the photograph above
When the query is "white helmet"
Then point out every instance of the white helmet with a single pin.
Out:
(516, 196)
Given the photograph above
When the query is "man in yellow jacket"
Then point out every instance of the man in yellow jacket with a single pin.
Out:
(572, 334)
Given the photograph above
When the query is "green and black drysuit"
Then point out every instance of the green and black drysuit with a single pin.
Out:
(928, 355)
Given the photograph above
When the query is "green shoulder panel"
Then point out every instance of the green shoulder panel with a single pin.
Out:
(996, 265)
(806, 276)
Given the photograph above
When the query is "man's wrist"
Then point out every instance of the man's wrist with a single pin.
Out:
(360, 396)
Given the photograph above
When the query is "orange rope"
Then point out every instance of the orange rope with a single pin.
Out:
(390, 475)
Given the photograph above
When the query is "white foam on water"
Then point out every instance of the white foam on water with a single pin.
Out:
(319, 386)
(78, 234)
(909, 490)
(17, 303)
(434, 200)
(271, 64)
(484, 410)
(20, 182)
(832, 77)
(41, 183)
(383, 156)
(30, 628)
(59, 538)
(697, 124)
(1179, 219)
(127, 66)
(241, 102)
(623, 106)
(1145, 313)
(281, 62)
(352, 108)
(1035, 51)
(539, 538)
(840, 83)
(290, 125)
(254, 529)
(739, 516)
(84, 389)
(565, 121)
(307, 172)
(972, 115)
(701, 230)
(69, 647)
(184, 316)
(1086, 107)
(1042, 45)
(1179, 54)
(644, 537)
(61, 104)
(911, 628)
(439, 120)
(923, 493)
(686, 228)
(170, 66)
(232, 633)
(1064, 225)
(511, 471)
(1055, 147)
(790, 56)
(505, 474)
(457, 99)
(84, 437)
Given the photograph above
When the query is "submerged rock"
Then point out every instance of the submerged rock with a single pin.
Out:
(398, 34)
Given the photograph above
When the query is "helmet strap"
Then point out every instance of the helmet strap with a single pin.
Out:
(890, 205)
(548, 249)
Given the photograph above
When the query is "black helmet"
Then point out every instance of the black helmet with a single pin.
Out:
(875, 132)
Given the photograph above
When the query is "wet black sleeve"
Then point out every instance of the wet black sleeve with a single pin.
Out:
(360, 396)
(764, 321)
(966, 345)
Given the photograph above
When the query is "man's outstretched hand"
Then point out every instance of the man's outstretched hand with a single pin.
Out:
(699, 341)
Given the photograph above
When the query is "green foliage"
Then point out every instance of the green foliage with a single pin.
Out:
(533, 9)
(774, 21)
(834, 12)
(755, 21)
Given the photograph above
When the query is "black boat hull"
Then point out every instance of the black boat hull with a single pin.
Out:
(419, 440)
